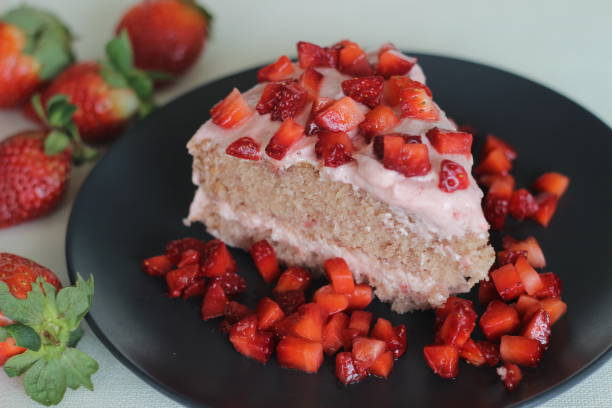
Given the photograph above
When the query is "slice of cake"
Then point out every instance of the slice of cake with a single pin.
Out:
(345, 154)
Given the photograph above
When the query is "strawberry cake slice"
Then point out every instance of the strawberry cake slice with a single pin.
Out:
(345, 154)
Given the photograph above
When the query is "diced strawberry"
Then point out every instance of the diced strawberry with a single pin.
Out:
(535, 256)
(318, 105)
(310, 80)
(395, 85)
(231, 111)
(268, 313)
(487, 180)
(216, 260)
(309, 322)
(495, 208)
(494, 143)
(158, 265)
(507, 282)
(175, 248)
(214, 303)
(490, 351)
(365, 351)
(510, 375)
(180, 279)
(189, 257)
(509, 256)
(538, 327)
(522, 204)
(547, 206)
(249, 342)
(361, 297)
(282, 100)
(395, 337)
(289, 301)
(332, 333)
(520, 350)
(379, 120)
(347, 371)
(8, 349)
(450, 142)
(277, 71)
(196, 288)
(352, 60)
(392, 62)
(265, 259)
(402, 155)
(487, 292)
(415, 103)
(383, 365)
(285, 137)
(443, 360)
(471, 353)
(341, 116)
(367, 90)
(312, 56)
(293, 278)
(300, 354)
(361, 321)
(231, 282)
(340, 275)
(553, 183)
(499, 319)
(329, 300)
(529, 277)
(348, 335)
(494, 162)
(457, 326)
(334, 148)
(244, 148)
(555, 308)
(525, 303)
(235, 312)
(386, 47)
(453, 177)
(452, 304)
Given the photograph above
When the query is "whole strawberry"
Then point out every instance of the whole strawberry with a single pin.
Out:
(34, 48)
(167, 35)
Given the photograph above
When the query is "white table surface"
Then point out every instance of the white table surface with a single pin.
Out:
(565, 45)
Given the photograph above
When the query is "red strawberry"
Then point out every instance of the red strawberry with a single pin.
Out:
(244, 148)
(509, 257)
(471, 353)
(250, 342)
(507, 282)
(510, 375)
(216, 260)
(555, 308)
(268, 313)
(20, 273)
(495, 162)
(232, 111)
(522, 204)
(277, 71)
(525, 303)
(553, 183)
(396, 84)
(235, 312)
(361, 297)
(35, 46)
(415, 103)
(367, 90)
(168, 35)
(214, 303)
(488, 180)
(293, 278)
(547, 206)
(231, 282)
(289, 301)
(498, 319)
(286, 136)
(450, 142)
(317, 105)
(329, 300)
(395, 337)
(334, 148)
(520, 350)
(189, 257)
(496, 202)
(383, 365)
(490, 351)
(352, 60)
(458, 325)
(332, 333)
(535, 256)
(265, 260)
(392, 62)
(531, 280)
(8, 349)
(312, 56)
(494, 143)
(398, 152)
(453, 177)
(300, 354)
(452, 304)
(361, 321)
(310, 80)
(158, 265)
(347, 371)
(175, 249)
(443, 360)
(340, 275)
(487, 292)
(309, 322)
(551, 286)
(378, 121)
(348, 335)
(366, 351)
(341, 116)
(538, 327)
(282, 100)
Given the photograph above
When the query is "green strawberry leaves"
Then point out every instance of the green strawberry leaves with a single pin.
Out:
(49, 326)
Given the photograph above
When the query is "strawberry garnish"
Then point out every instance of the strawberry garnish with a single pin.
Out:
(547, 206)
(232, 111)
(175, 249)
(268, 313)
(555, 308)
(231, 282)
(453, 177)
(494, 143)
(361, 297)
(244, 148)
(293, 278)
(472, 354)
(277, 71)
(311, 56)
(509, 256)
(361, 321)
(458, 324)
(334, 148)
(340, 116)
(265, 260)
(214, 303)
(348, 335)
(443, 360)
(158, 265)
(282, 100)
(309, 322)
(367, 90)
(329, 300)
(498, 319)
(450, 142)
(310, 80)
(526, 303)
(396, 84)
(179, 280)
(496, 202)
(520, 350)
(538, 327)
(399, 152)
(250, 342)
(352, 60)
(382, 366)
(340, 275)
(317, 106)
(289, 301)
(553, 183)
(551, 286)
(299, 354)
(495, 162)
(378, 121)
(415, 103)
(234, 312)
(535, 256)
(522, 204)
(366, 351)
(216, 259)
(490, 351)
(486, 292)
(286, 136)
(395, 337)
(510, 375)
(347, 371)
(529, 277)
(392, 62)
(507, 282)
(488, 180)
(332, 333)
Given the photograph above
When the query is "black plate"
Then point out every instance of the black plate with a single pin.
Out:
(134, 201)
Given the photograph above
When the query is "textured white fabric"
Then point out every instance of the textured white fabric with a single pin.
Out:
(563, 44)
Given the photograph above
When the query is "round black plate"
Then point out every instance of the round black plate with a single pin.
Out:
(135, 199)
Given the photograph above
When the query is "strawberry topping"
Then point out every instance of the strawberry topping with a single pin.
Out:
(231, 111)
(282, 100)
(453, 177)
(277, 71)
(286, 136)
(367, 90)
(399, 152)
(244, 148)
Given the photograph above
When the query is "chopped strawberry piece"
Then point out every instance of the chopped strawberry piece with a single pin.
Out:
(495, 208)
(277, 71)
(352, 60)
(367, 90)
(415, 103)
(332, 333)
(361, 321)
(340, 116)
(158, 265)
(402, 155)
(443, 360)
(348, 335)
(310, 80)
(249, 342)
(510, 375)
(494, 143)
(395, 337)
(289, 301)
(494, 162)
(268, 313)
(317, 106)
(196, 288)
(231, 111)
(189, 257)
(244, 148)
(507, 282)
(231, 282)
(235, 312)
(509, 256)
(458, 325)
(472, 354)
(487, 180)
(265, 259)
(452, 304)
(285, 137)
(499, 319)
(490, 351)
(392, 62)
(365, 351)
(535, 256)
(216, 260)
(538, 327)
(379, 120)
(553, 183)
(8, 349)
(312, 56)
(487, 292)
(522, 204)
(293, 278)
(555, 308)
(334, 148)
(361, 297)
(300, 354)
(529, 277)
(180, 279)
(547, 206)
(453, 177)
(329, 300)
(520, 350)
(214, 303)
(450, 142)
(309, 322)
(340, 275)
(396, 84)
(347, 371)
(175, 248)
(383, 365)
(525, 303)
(282, 100)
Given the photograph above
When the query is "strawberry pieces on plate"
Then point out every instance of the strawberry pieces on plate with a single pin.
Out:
(265, 260)
(292, 278)
(499, 319)
(347, 371)
(332, 333)
(330, 300)
(553, 183)
(300, 354)
(395, 337)
(339, 275)
(520, 350)
(510, 375)
(250, 342)
(443, 360)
